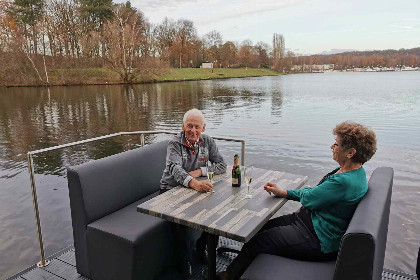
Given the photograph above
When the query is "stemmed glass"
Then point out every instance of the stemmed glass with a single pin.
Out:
(248, 178)
(210, 172)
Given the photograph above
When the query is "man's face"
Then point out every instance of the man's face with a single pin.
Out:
(193, 127)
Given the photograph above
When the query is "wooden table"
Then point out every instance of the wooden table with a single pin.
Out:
(226, 212)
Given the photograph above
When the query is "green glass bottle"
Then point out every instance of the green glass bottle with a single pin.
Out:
(236, 172)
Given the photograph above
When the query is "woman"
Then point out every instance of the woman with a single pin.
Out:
(314, 233)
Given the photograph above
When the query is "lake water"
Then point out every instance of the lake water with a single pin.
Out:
(286, 121)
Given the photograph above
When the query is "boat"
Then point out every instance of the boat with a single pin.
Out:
(62, 264)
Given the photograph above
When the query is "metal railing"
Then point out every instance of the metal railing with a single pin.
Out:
(30, 154)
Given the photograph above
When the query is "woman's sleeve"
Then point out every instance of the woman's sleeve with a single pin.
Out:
(320, 196)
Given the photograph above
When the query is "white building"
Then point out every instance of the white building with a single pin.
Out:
(207, 65)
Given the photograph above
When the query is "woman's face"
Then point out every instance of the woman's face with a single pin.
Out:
(339, 153)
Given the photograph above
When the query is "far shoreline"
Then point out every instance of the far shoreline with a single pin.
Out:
(186, 75)
(87, 77)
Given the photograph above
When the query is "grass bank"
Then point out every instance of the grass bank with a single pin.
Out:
(175, 74)
(91, 76)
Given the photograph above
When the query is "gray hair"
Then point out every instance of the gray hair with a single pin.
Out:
(194, 112)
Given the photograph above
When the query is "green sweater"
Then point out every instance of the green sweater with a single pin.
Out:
(332, 204)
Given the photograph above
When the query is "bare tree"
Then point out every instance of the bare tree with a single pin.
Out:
(164, 35)
(229, 54)
(212, 42)
(246, 53)
(279, 47)
(263, 50)
(186, 36)
(124, 37)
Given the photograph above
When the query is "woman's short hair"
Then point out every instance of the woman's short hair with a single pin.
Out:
(194, 112)
(359, 137)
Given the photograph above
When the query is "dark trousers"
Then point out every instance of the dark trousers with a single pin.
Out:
(291, 236)
(186, 239)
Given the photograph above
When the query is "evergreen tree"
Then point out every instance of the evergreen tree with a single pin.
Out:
(27, 13)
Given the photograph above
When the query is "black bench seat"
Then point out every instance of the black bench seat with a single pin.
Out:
(362, 248)
(111, 239)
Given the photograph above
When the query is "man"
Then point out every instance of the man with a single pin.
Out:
(188, 153)
(186, 158)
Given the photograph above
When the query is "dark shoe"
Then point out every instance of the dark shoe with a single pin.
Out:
(222, 275)
(185, 270)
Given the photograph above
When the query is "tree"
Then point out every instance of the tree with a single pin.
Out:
(124, 37)
(279, 47)
(64, 27)
(246, 53)
(212, 42)
(228, 54)
(186, 36)
(27, 14)
(94, 14)
(263, 51)
(164, 35)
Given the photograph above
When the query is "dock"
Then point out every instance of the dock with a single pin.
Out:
(63, 266)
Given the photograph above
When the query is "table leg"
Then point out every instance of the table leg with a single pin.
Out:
(211, 251)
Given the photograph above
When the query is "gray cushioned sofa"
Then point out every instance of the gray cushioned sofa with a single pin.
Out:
(111, 239)
(362, 248)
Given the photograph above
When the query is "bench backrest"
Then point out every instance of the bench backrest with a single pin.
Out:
(103, 186)
(109, 184)
(362, 248)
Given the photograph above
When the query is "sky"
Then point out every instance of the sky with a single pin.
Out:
(308, 26)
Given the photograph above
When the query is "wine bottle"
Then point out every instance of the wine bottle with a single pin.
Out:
(236, 172)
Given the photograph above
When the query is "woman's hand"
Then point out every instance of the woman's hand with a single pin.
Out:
(272, 188)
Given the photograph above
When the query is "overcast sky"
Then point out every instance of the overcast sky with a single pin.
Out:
(309, 26)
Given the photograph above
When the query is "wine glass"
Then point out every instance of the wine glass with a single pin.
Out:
(248, 178)
(210, 171)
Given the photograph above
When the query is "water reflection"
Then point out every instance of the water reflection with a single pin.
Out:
(285, 121)
(40, 117)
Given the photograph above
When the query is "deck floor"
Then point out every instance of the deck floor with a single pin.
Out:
(63, 266)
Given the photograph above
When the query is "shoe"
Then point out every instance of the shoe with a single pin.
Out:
(185, 269)
(222, 275)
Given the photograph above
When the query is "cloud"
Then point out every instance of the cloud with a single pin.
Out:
(208, 11)
(237, 9)
(156, 4)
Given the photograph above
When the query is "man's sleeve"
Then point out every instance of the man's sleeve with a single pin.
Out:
(216, 157)
(320, 196)
(174, 163)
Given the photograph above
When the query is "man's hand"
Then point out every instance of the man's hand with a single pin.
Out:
(200, 186)
(272, 188)
(196, 173)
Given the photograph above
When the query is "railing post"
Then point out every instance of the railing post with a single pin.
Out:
(43, 261)
(142, 139)
(243, 153)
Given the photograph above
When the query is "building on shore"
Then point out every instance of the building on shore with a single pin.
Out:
(322, 68)
(313, 68)
(206, 65)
